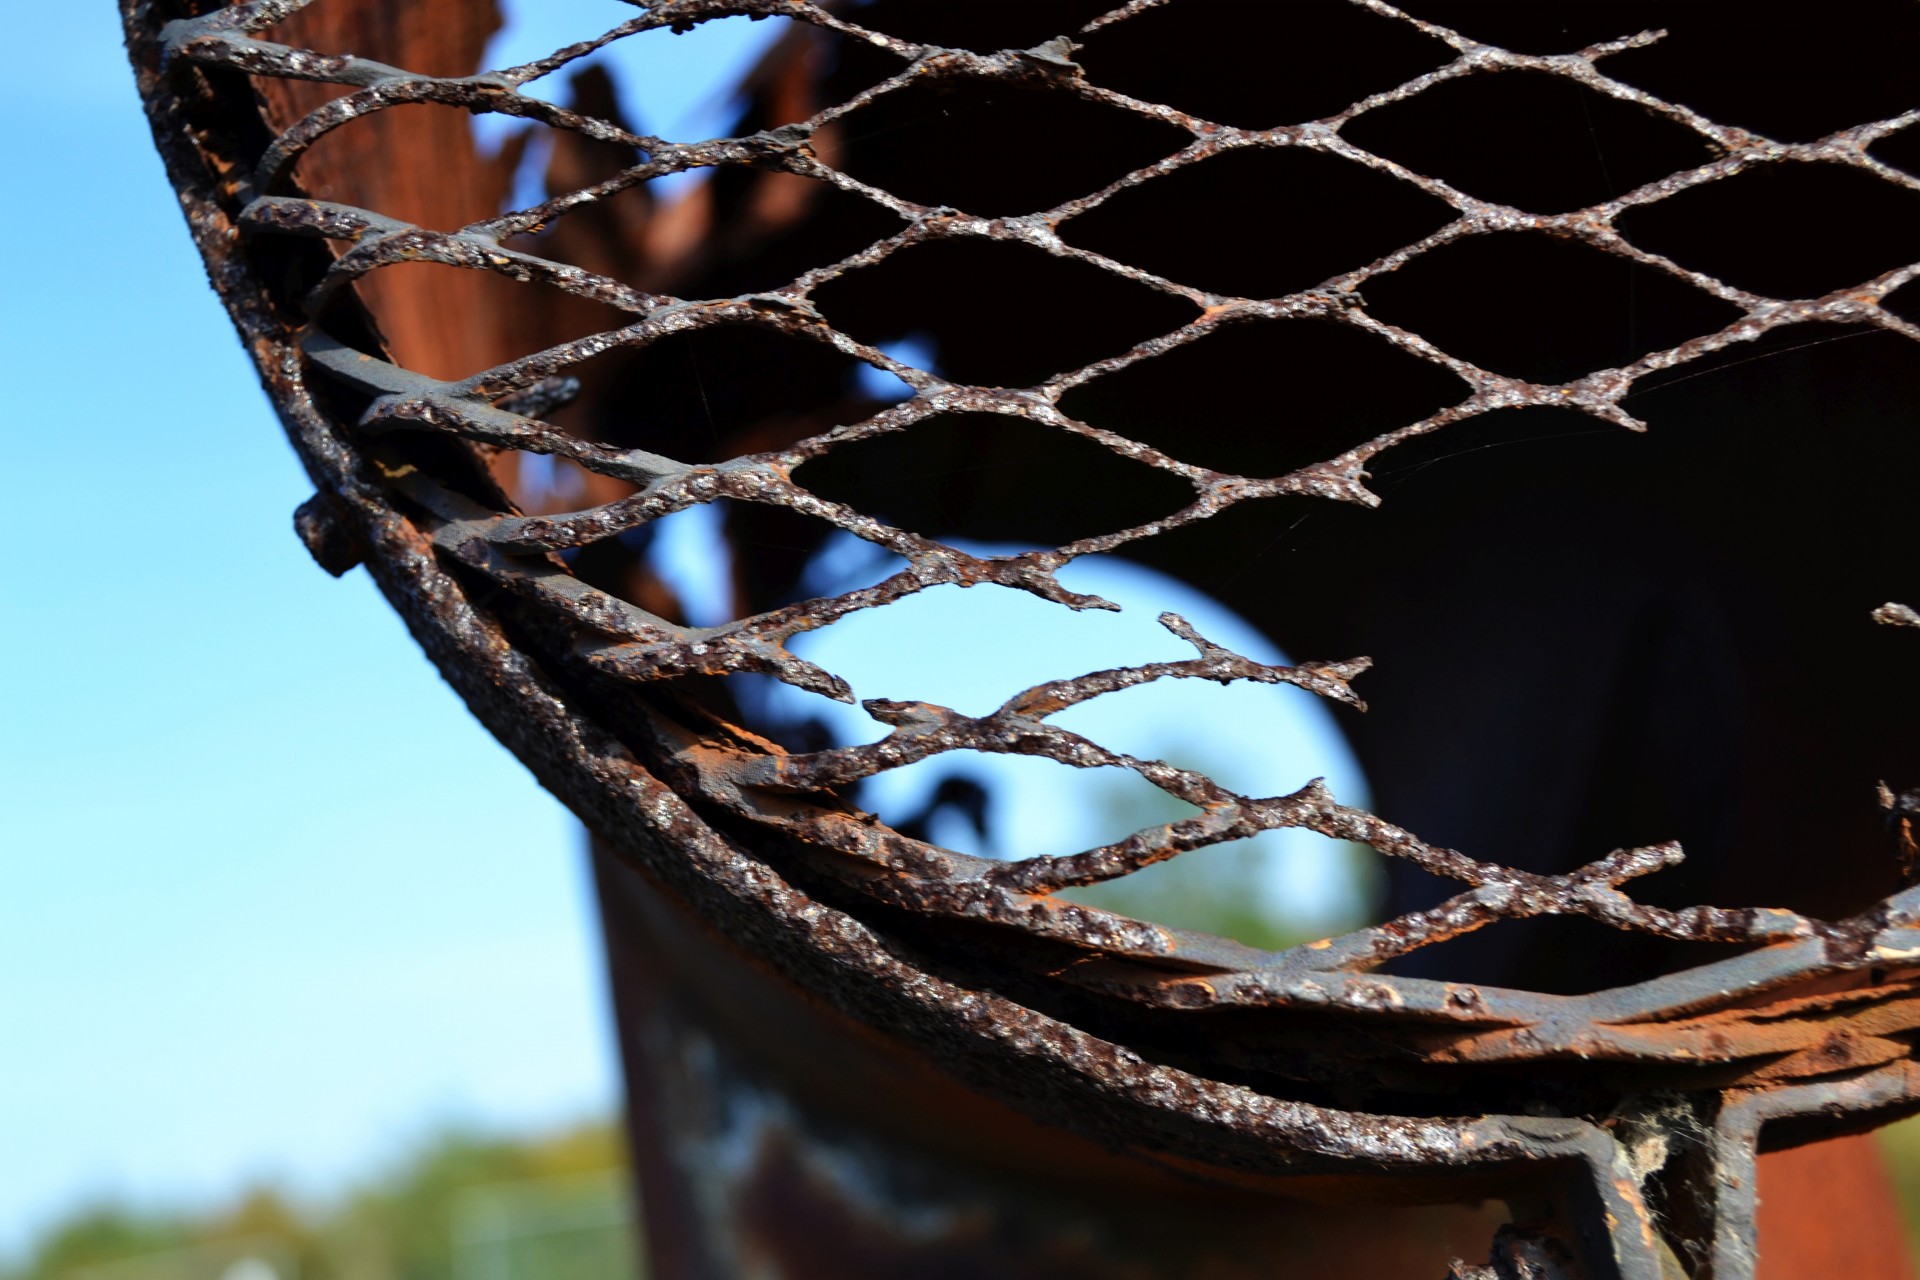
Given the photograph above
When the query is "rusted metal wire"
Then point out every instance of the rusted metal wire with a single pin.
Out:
(1805, 1018)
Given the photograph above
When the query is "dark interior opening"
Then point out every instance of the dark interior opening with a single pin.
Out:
(1258, 66)
(1213, 402)
(1542, 309)
(964, 475)
(1294, 218)
(996, 149)
(706, 395)
(1537, 142)
(1786, 230)
(1000, 314)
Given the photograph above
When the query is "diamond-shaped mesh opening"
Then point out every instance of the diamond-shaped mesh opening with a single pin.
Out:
(710, 564)
(1264, 64)
(577, 159)
(1549, 28)
(619, 566)
(630, 62)
(796, 724)
(1785, 230)
(1005, 314)
(1542, 309)
(400, 35)
(401, 294)
(542, 484)
(424, 199)
(964, 475)
(1560, 950)
(1905, 302)
(608, 234)
(1581, 147)
(1234, 890)
(652, 233)
(1213, 402)
(1259, 223)
(609, 237)
(778, 226)
(772, 548)
(712, 393)
(923, 797)
(982, 28)
(1901, 150)
(946, 142)
(1717, 59)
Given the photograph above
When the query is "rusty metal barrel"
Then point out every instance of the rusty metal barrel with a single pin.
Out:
(1546, 380)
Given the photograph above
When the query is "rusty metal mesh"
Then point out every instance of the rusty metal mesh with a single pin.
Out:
(639, 647)
(599, 642)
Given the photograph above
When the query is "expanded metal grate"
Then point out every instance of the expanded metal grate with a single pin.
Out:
(1805, 1016)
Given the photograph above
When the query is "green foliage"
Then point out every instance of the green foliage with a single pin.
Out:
(104, 1233)
(401, 1226)
(1900, 1145)
(1221, 889)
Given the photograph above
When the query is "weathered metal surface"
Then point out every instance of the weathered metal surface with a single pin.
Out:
(1056, 1007)
(776, 1136)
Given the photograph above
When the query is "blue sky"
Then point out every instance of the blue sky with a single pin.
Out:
(272, 904)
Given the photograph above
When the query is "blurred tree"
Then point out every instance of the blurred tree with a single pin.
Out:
(103, 1233)
(398, 1227)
